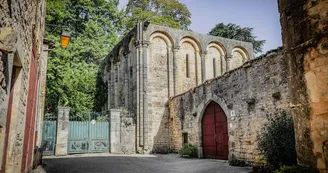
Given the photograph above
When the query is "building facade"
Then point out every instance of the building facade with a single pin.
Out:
(21, 58)
(305, 39)
(166, 90)
(151, 65)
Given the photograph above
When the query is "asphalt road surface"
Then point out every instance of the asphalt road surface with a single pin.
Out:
(136, 164)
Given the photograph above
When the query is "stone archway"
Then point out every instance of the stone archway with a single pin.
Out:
(215, 132)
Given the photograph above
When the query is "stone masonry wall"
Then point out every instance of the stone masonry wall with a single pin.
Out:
(177, 61)
(305, 41)
(153, 63)
(21, 23)
(253, 91)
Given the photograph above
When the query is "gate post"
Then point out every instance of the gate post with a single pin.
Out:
(62, 131)
(115, 136)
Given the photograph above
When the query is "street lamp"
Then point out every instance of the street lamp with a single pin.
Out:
(65, 37)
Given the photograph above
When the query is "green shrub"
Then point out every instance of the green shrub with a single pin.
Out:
(296, 169)
(188, 150)
(277, 142)
(236, 162)
(261, 169)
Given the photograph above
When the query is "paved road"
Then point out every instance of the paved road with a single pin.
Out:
(137, 164)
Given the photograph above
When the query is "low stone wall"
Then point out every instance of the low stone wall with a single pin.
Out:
(247, 95)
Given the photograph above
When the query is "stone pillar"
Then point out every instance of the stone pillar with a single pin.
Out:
(144, 105)
(170, 69)
(115, 130)
(223, 68)
(62, 131)
(228, 58)
(175, 74)
(203, 67)
(126, 79)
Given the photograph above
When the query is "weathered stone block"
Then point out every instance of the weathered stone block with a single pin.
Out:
(62, 131)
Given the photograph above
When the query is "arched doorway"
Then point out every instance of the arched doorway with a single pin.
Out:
(215, 132)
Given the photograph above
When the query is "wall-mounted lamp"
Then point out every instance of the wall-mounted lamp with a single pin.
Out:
(65, 38)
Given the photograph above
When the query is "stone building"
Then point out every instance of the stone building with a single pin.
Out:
(235, 104)
(305, 39)
(22, 70)
(160, 97)
(151, 65)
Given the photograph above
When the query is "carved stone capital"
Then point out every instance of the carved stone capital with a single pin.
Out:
(229, 56)
(204, 54)
(126, 53)
(145, 43)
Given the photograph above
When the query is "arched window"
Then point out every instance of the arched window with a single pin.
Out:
(187, 66)
(214, 68)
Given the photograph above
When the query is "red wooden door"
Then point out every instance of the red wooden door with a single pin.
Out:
(30, 114)
(215, 133)
(8, 121)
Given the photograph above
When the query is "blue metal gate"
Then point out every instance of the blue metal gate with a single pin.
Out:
(88, 132)
(49, 137)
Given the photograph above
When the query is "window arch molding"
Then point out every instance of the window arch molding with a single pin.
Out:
(191, 41)
(243, 53)
(166, 37)
(218, 46)
(131, 43)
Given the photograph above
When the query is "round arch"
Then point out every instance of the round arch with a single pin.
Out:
(131, 43)
(166, 37)
(192, 41)
(201, 108)
(218, 46)
(242, 51)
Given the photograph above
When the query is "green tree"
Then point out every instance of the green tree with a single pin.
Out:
(237, 32)
(171, 13)
(72, 72)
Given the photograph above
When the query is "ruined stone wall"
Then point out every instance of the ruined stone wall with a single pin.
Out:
(21, 24)
(253, 91)
(304, 30)
(121, 76)
(153, 63)
(176, 62)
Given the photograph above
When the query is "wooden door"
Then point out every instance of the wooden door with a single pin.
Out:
(215, 133)
(28, 143)
(10, 103)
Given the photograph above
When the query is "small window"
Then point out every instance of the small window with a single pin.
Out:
(184, 138)
(131, 71)
(187, 66)
(214, 68)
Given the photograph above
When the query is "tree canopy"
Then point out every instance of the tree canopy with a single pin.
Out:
(237, 32)
(72, 72)
(162, 12)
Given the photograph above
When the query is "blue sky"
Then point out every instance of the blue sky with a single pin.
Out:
(262, 15)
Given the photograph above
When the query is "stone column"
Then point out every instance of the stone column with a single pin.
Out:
(144, 105)
(126, 79)
(62, 131)
(170, 69)
(115, 130)
(175, 74)
(203, 67)
(222, 68)
(228, 58)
